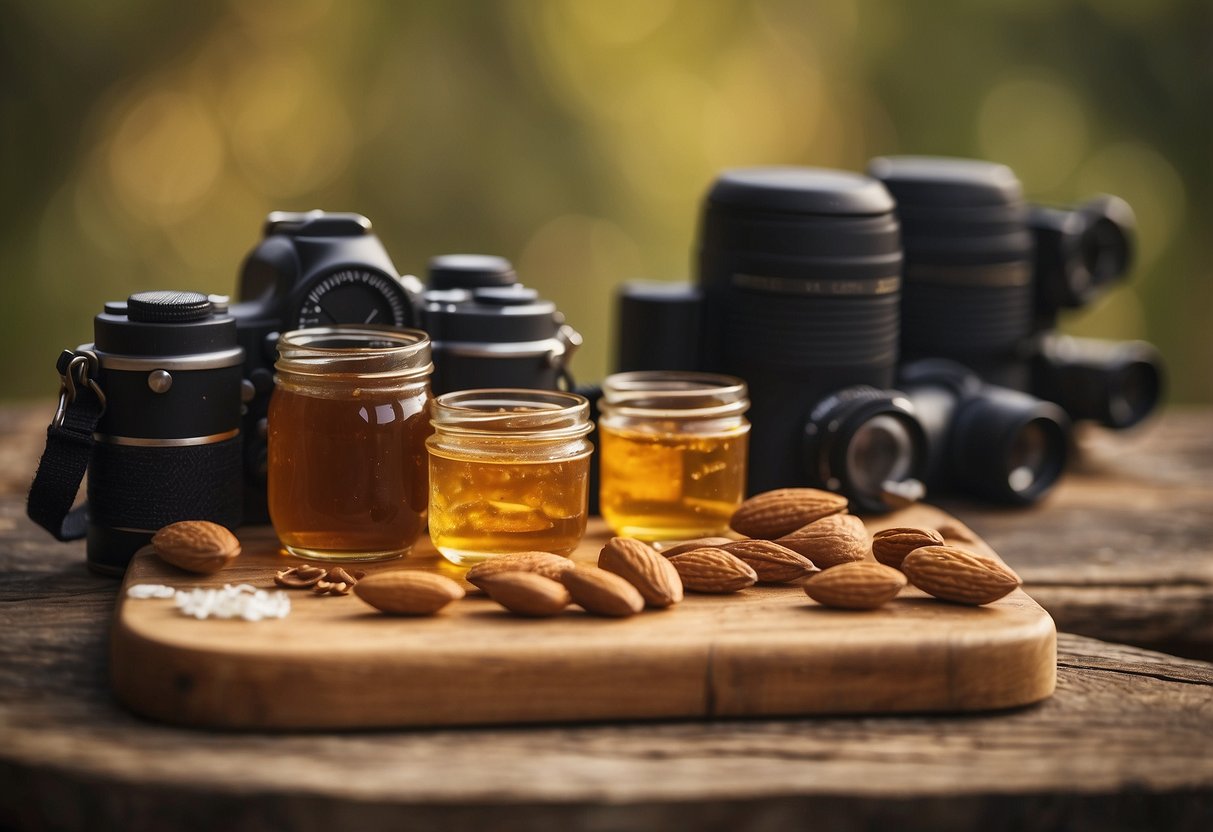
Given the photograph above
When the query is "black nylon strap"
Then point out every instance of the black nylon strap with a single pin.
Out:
(69, 445)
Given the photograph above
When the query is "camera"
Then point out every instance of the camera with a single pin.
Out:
(153, 407)
(322, 268)
(799, 277)
(987, 275)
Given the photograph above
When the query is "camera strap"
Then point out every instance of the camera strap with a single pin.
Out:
(69, 444)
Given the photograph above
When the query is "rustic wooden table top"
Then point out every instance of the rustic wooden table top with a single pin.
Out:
(1124, 550)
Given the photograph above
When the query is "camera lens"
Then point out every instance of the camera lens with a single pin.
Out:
(968, 263)
(1029, 459)
(800, 270)
(1115, 383)
(865, 443)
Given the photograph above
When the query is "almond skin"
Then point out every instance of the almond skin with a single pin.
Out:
(408, 592)
(775, 513)
(840, 538)
(527, 593)
(890, 546)
(859, 585)
(601, 592)
(196, 546)
(774, 564)
(541, 563)
(952, 574)
(692, 545)
(640, 565)
(713, 570)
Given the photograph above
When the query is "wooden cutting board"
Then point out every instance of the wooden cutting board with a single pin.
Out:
(336, 663)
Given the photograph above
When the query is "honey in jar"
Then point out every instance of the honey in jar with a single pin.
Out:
(673, 453)
(509, 472)
(347, 424)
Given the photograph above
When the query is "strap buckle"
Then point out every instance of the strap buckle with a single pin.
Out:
(76, 370)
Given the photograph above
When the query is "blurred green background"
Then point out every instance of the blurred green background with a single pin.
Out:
(143, 142)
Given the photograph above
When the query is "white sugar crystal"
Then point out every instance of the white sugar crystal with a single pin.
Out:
(150, 591)
(241, 601)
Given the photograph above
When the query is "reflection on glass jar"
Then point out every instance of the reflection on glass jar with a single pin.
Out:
(673, 453)
(508, 473)
(347, 424)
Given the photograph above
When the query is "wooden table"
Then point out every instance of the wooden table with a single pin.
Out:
(1125, 742)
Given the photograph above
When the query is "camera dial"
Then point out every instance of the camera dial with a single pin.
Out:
(353, 296)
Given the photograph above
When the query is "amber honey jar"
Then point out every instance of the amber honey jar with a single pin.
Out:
(347, 424)
(509, 472)
(673, 453)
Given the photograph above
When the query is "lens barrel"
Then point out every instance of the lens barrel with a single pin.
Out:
(986, 440)
(169, 444)
(658, 326)
(968, 292)
(800, 270)
(1115, 383)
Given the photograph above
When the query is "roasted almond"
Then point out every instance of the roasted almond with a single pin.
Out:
(859, 585)
(713, 570)
(890, 546)
(774, 564)
(408, 592)
(527, 593)
(541, 563)
(775, 513)
(690, 545)
(602, 593)
(196, 546)
(839, 538)
(640, 565)
(953, 574)
(299, 577)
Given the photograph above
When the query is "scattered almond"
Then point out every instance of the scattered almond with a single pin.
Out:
(527, 593)
(602, 593)
(890, 546)
(640, 565)
(299, 577)
(690, 545)
(859, 585)
(775, 513)
(953, 574)
(196, 546)
(839, 538)
(408, 592)
(774, 564)
(955, 530)
(713, 570)
(541, 563)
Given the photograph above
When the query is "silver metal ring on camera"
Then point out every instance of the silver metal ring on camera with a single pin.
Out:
(181, 442)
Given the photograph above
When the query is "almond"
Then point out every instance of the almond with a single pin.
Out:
(541, 563)
(713, 570)
(773, 563)
(527, 593)
(953, 574)
(299, 577)
(602, 593)
(641, 566)
(408, 592)
(859, 585)
(675, 548)
(775, 513)
(890, 546)
(196, 546)
(840, 538)
(955, 530)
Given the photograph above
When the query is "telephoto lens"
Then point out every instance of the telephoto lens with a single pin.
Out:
(488, 330)
(168, 445)
(968, 292)
(985, 440)
(800, 273)
(1114, 383)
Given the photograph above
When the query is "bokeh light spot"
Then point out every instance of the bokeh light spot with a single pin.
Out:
(1036, 125)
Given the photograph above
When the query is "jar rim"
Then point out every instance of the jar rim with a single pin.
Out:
(513, 412)
(363, 350)
(674, 394)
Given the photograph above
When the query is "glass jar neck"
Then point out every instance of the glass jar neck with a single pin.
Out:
(674, 396)
(354, 356)
(514, 414)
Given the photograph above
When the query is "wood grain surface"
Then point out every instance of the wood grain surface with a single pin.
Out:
(336, 663)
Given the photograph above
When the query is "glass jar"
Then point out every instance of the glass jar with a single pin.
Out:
(673, 453)
(509, 472)
(347, 422)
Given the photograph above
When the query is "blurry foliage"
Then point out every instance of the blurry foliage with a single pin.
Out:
(144, 142)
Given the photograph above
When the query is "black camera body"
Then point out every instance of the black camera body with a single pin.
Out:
(168, 445)
(321, 268)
